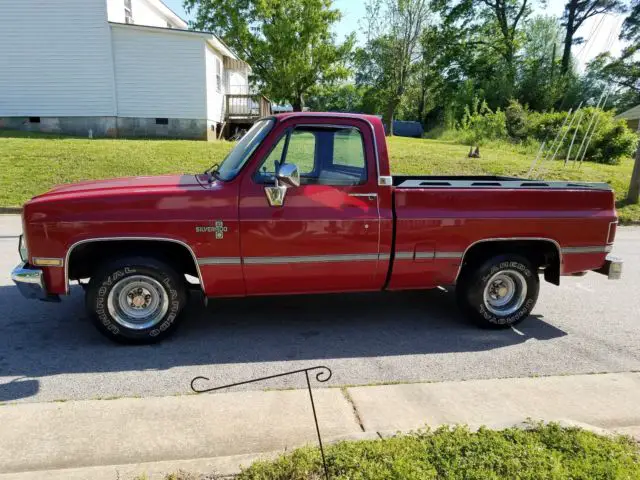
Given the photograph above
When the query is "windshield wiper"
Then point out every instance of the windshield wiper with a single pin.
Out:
(213, 173)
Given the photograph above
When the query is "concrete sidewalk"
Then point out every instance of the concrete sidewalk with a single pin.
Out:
(101, 439)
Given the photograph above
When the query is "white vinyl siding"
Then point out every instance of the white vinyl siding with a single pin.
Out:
(55, 59)
(215, 95)
(159, 74)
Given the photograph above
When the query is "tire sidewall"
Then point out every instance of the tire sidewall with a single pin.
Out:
(102, 284)
(477, 284)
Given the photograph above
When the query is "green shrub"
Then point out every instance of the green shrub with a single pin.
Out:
(541, 452)
(544, 126)
(480, 124)
(608, 141)
(516, 118)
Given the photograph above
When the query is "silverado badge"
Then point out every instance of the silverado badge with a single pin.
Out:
(219, 229)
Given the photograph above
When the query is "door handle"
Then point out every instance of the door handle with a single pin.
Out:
(370, 196)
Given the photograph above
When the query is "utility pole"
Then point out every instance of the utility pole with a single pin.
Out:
(634, 186)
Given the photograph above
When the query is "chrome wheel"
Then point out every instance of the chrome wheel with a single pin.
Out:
(505, 292)
(138, 302)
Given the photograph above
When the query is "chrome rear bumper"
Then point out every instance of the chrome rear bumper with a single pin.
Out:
(30, 281)
(612, 268)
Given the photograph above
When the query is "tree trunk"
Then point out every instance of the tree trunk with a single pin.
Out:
(568, 38)
(387, 117)
(298, 103)
(634, 185)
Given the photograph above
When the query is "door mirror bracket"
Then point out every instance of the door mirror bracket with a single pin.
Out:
(287, 176)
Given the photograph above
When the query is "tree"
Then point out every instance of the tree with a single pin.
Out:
(576, 12)
(540, 85)
(388, 59)
(628, 68)
(336, 98)
(288, 44)
(507, 15)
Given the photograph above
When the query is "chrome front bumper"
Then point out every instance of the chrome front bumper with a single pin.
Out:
(30, 282)
(612, 268)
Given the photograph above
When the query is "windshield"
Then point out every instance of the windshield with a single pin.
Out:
(235, 160)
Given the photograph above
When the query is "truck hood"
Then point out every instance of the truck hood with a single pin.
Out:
(124, 185)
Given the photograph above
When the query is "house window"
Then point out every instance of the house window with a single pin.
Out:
(218, 75)
(128, 12)
(162, 121)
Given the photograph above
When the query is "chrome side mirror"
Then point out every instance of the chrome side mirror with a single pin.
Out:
(289, 175)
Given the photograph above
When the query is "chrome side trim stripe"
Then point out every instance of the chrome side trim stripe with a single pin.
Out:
(299, 259)
(449, 254)
(310, 259)
(427, 255)
(219, 261)
(594, 249)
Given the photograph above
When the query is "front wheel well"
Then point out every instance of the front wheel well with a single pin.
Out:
(543, 254)
(85, 258)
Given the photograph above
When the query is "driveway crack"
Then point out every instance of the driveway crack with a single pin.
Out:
(356, 414)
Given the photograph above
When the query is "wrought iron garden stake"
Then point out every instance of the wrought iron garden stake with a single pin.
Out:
(322, 376)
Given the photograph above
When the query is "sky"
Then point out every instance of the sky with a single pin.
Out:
(602, 31)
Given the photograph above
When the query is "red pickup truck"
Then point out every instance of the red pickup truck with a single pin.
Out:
(305, 203)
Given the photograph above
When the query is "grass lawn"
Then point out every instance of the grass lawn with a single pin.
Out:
(33, 163)
(541, 452)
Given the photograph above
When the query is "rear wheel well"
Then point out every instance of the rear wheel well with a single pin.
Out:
(543, 254)
(87, 257)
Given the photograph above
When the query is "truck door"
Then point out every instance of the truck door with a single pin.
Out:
(325, 235)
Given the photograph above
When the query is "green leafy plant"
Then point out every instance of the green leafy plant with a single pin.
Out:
(516, 119)
(605, 139)
(539, 452)
(480, 124)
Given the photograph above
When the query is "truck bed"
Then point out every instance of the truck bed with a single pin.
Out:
(438, 218)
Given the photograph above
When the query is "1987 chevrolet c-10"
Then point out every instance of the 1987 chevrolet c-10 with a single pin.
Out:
(305, 203)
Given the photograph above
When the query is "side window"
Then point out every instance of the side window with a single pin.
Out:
(348, 148)
(324, 156)
(302, 151)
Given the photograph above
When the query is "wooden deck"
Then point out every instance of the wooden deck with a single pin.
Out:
(245, 109)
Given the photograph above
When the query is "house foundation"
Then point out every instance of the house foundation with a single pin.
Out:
(114, 127)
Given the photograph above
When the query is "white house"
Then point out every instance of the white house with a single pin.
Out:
(632, 116)
(115, 68)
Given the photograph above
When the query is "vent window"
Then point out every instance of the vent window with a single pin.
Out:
(162, 121)
(34, 119)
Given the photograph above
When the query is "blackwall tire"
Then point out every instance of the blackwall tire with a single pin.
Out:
(136, 300)
(500, 292)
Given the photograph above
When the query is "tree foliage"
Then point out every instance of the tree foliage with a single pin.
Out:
(624, 72)
(576, 12)
(387, 61)
(287, 43)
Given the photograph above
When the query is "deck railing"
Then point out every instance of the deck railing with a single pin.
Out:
(246, 107)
